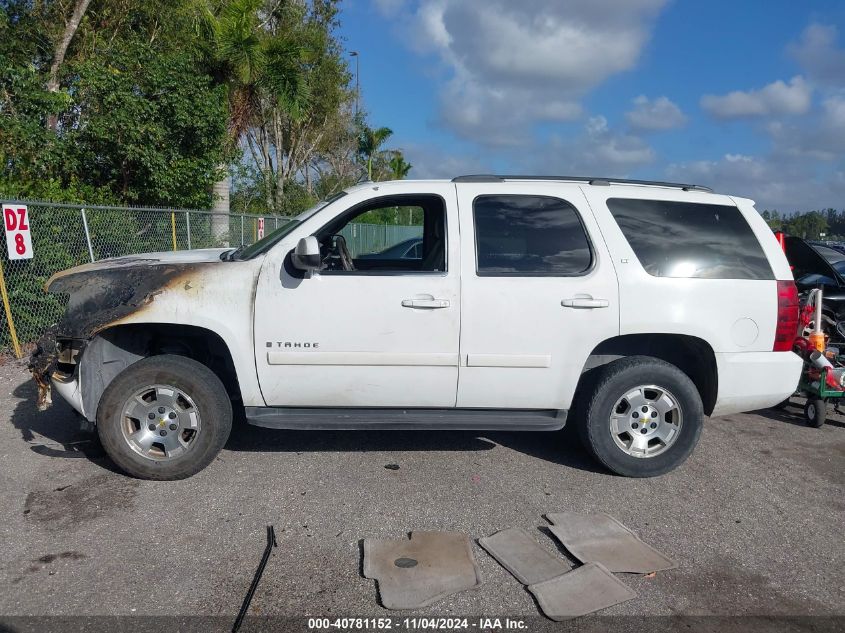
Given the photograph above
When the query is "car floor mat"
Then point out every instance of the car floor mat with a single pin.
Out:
(599, 538)
(584, 590)
(416, 572)
(522, 556)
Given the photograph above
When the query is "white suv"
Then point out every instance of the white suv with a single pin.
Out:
(631, 308)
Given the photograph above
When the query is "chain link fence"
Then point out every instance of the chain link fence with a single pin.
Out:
(65, 235)
(367, 239)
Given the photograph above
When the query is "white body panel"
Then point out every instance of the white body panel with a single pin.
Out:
(371, 351)
(500, 342)
(705, 308)
(755, 380)
(220, 299)
(520, 348)
(735, 317)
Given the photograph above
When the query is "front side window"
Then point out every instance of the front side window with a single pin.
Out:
(520, 235)
(692, 240)
(405, 233)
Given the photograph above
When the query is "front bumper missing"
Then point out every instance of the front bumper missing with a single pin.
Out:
(67, 386)
(48, 370)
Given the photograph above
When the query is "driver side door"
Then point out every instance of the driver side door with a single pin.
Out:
(384, 333)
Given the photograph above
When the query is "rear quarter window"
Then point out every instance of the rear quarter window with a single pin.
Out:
(690, 239)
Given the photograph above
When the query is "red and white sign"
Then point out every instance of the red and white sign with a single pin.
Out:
(18, 239)
(260, 228)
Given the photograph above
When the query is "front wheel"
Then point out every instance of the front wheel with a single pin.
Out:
(164, 417)
(643, 417)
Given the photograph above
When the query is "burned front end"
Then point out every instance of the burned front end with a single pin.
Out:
(100, 296)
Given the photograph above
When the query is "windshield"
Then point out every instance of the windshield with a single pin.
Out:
(271, 239)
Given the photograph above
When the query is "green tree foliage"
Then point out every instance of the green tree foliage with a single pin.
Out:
(370, 142)
(399, 167)
(149, 128)
(809, 225)
(138, 118)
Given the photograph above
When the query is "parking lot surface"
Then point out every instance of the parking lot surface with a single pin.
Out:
(754, 518)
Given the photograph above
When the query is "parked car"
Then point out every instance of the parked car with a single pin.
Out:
(633, 308)
(831, 254)
(815, 267)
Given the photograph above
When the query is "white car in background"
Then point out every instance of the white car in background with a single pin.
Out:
(632, 309)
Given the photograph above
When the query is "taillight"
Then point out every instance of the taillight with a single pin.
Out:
(787, 325)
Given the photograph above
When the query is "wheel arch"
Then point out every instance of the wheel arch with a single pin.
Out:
(114, 349)
(692, 355)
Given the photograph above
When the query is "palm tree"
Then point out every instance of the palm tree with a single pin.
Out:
(253, 65)
(235, 55)
(399, 167)
(369, 144)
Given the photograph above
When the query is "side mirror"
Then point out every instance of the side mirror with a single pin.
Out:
(306, 255)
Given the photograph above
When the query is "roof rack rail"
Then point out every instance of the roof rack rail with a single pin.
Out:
(599, 182)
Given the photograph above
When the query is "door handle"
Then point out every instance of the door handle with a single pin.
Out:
(428, 304)
(585, 302)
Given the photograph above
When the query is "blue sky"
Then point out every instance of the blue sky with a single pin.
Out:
(747, 96)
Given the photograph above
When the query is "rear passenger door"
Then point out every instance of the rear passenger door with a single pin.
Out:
(538, 293)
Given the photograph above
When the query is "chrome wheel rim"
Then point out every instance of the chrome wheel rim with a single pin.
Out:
(646, 421)
(160, 422)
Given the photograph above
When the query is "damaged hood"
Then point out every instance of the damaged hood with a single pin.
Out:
(102, 293)
(59, 281)
(105, 293)
(808, 266)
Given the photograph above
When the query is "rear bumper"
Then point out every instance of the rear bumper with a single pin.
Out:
(755, 380)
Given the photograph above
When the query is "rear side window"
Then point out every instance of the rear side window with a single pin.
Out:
(688, 239)
(529, 236)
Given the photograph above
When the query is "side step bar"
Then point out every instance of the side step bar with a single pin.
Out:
(406, 419)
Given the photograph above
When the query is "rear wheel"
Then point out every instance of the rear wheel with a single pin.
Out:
(164, 417)
(643, 417)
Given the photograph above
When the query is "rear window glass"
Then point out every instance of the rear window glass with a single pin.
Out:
(529, 235)
(688, 239)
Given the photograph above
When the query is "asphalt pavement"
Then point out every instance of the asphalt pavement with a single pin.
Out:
(754, 520)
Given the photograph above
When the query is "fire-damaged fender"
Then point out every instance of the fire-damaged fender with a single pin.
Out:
(82, 353)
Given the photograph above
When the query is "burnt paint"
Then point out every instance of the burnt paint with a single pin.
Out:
(101, 297)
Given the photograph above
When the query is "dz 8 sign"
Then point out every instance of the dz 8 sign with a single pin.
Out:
(18, 239)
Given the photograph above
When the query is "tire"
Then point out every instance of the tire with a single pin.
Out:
(194, 401)
(815, 412)
(641, 449)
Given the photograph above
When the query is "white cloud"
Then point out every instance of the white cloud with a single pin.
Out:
(506, 67)
(598, 151)
(774, 99)
(433, 162)
(655, 114)
(774, 181)
(820, 138)
(818, 54)
(608, 151)
(510, 65)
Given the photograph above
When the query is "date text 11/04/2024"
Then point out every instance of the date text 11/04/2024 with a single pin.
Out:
(413, 624)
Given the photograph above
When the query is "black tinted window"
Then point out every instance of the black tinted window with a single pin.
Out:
(529, 235)
(686, 239)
